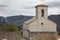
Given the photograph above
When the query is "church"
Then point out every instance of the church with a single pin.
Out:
(40, 27)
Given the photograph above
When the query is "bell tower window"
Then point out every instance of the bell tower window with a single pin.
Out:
(41, 23)
(42, 11)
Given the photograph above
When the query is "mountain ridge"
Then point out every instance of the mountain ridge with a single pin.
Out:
(19, 20)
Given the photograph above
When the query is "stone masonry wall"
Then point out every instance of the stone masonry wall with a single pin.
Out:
(43, 36)
(10, 35)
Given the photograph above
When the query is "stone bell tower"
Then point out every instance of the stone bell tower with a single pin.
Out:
(41, 11)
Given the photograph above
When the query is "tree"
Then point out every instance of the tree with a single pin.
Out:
(2, 27)
(11, 27)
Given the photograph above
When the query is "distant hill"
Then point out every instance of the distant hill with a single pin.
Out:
(19, 20)
(2, 20)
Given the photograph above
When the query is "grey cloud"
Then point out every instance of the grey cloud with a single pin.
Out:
(54, 4)
(28, 7)
(3, 5)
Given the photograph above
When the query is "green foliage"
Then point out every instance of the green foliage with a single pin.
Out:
(2, 28)
(9, 27)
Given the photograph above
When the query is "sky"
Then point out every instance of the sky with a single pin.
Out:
(27, 7)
